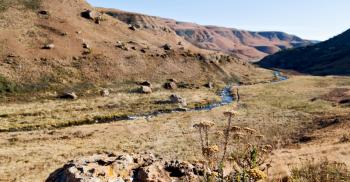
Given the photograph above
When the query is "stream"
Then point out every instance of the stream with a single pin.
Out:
(226, 98)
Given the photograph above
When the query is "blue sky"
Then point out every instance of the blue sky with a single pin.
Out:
(310, 19)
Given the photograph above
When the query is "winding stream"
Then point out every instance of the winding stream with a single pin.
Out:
(226, 98)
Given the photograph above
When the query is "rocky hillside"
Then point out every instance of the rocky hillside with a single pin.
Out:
(65, 43)
(331, 57)
(247, 45)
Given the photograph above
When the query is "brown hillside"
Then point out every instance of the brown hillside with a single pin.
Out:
(247, 45)
(100, 51)
(330, 57)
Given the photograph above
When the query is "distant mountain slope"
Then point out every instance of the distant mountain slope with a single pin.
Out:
(247, 45)
(53, 44)
(331, 57)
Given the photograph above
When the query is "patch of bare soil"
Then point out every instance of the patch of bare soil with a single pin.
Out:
(339, 96)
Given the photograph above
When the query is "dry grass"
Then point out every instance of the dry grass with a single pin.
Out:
(63, 113)
(324, 171)
(263, 108)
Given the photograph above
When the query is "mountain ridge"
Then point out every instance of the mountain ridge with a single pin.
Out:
(331, 57)
(243, 43)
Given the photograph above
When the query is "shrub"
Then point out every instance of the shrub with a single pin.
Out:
(242, 152)
(324, 171)
(7, 86)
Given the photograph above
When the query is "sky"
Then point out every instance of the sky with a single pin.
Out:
(309, 19)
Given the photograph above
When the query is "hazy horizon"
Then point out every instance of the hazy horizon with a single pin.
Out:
(312, 19)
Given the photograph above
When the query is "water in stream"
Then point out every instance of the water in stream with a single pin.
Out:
(226, 98)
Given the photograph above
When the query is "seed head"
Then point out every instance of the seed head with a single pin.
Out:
(259, 137)
(204, 124)
(236, 128)
(230, 113)
(249, 130)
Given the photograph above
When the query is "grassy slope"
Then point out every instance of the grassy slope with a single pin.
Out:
(30, 68)
(280, 111)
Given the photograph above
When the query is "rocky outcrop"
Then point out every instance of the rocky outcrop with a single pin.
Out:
(124, 167)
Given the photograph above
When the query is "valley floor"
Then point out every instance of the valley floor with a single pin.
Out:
(301, 117)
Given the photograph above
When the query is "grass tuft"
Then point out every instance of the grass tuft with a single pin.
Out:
(324, 171)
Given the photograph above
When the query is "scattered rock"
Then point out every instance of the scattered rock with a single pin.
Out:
(167, 47)
(92, 15)
(132, 27)
(146, 83)
(178, 100)
(69, 95)
(43, 14)
(86, 46)
(104, 92)
(172, 80)
(146, 89)
(170, 85)
(121, 45)
(49, 46)
(209, 85)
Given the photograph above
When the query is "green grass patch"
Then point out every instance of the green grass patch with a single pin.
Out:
(7, 86)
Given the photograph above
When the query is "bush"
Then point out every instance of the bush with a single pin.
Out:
(324, 171)
(242, 152)
(7, 86)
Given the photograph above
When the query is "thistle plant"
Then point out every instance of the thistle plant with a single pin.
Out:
(209, 152)
(242, 150)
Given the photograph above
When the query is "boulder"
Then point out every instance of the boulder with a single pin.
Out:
(121, 45)
(86, 46)
(69, 95)
(209, 85)
(170, 85)
(178, 100)
(104, 92)
(90, 14)
(146, 83)
(146, 89)
(172, 80)
(126, 167)
(132, 27)
(167, 47)
(102, 167)
(49, 46)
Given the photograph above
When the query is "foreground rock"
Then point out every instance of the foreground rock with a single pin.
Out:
(125, 167)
